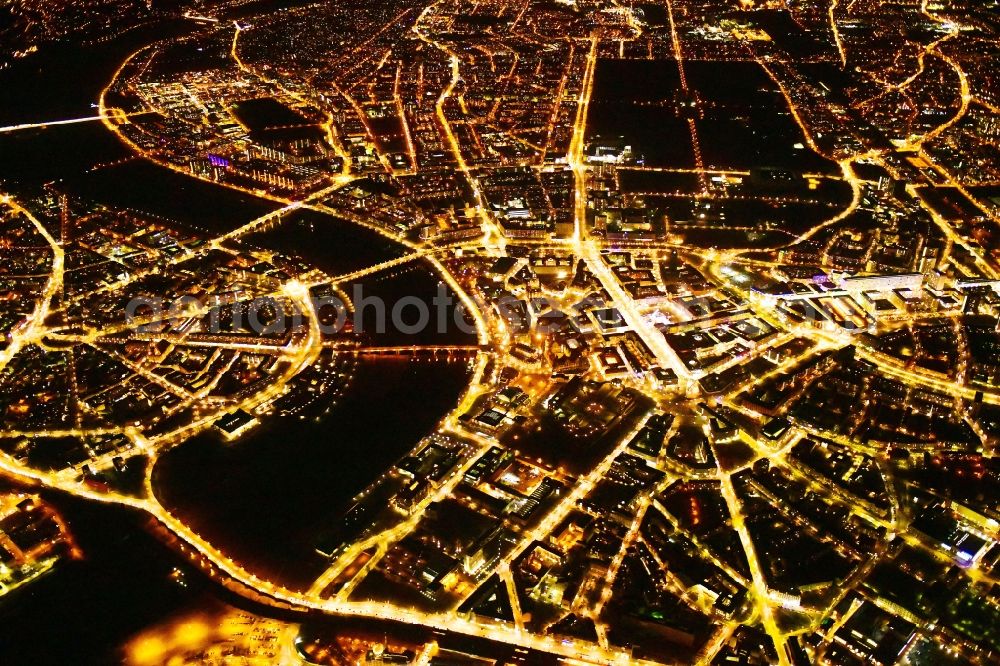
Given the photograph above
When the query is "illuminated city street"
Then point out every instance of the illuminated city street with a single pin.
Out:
(504, 331)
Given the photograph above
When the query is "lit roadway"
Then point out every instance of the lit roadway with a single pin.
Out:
(846, 165)
(297, 355)
(887, 365)
(268, 592)
(590, 250)
(760, 591)
(830, 340)
(577, 158)
(304, 353)
(836, 33)
(826, 487)
(692, 128)
(33, 328)
(301, 350)
(9, 129)
(916, 143)
(327, 125)
(494, 236)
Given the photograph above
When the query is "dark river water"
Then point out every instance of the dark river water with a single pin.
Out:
(265, 498)
(268, 498)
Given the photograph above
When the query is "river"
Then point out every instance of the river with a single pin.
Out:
(264, 498)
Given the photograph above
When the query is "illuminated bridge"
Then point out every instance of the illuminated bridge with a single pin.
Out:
(119, 115)
(439, 352)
